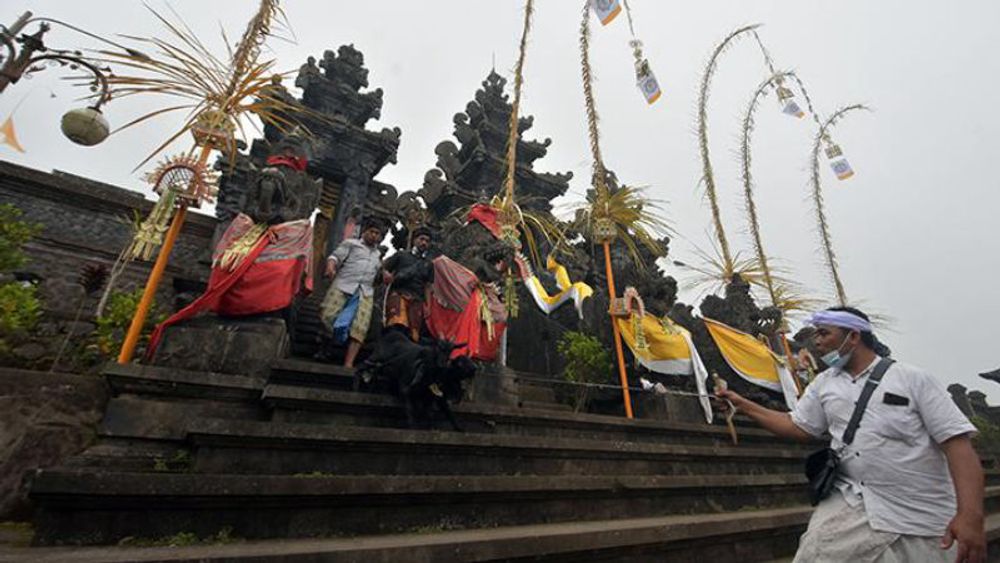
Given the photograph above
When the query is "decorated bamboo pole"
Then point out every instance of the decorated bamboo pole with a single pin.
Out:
(612, 295)
(823, 136)
(599, 180)
(751, 206)
(708, 176)
(156, 274)
(152, 283)
(217, 95)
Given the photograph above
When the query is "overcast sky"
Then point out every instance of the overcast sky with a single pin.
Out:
(912, 228)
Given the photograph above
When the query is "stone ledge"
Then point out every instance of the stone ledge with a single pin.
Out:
(84, 507)
(140, 487)
(285, 435)
(465, 545)
(155, 380)
(294, 397)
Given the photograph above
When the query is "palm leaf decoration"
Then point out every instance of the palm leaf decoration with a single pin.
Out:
(635, 219)
(727, 264)
(791, 299)
(211, 91)
(610, 214)
(625, 211)
(705, 272)
(823, 226)
(783, 293)
(512, 217)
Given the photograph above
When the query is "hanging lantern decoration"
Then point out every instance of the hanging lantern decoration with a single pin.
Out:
(644, 77)
(85, 126)
(838, 162)
(786, 98)
(606, 10)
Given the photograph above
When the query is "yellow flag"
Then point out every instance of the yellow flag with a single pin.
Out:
(752, 360)
(568, 289)
(9, 137)
(669, 350)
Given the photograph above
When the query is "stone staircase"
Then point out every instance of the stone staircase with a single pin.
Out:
(300, 468)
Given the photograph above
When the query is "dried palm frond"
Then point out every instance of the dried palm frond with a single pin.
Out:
(210, 90)
(511, 216)
(826, 241)
(708, 176)
(792, 300)
(713, 272)
(599, 174)
(745, 157)
(636, 219)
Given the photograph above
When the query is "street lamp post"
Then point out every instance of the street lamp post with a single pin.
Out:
(24, 53)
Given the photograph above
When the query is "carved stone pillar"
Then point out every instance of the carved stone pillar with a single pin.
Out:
(352, 198)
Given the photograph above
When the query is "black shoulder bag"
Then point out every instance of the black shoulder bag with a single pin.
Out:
(823, 466)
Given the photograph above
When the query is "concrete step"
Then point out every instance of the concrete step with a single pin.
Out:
(545, 406)
(748, 537)
(326, 406)
(225, 446)
(310, 373)
(153, 381)
(99, 507)
(536, 392)
(754, 536)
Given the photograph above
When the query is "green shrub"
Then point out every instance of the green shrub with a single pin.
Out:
(13, 234)
(114, 323)
(20, 307)
(587, 361)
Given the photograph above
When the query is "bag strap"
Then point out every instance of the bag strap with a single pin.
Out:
(866, 394)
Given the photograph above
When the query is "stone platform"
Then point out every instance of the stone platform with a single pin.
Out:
(326, 474)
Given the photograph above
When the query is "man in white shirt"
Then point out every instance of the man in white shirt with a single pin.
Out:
(353, 267)
(910, 484)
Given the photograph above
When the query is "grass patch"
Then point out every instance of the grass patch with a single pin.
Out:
(16, 534)
(182, 539)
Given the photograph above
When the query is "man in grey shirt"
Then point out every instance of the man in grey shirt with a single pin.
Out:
(353, 267)
(910, 484)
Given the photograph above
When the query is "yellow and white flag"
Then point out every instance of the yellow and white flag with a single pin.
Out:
(752, 360)
(606, 10)
(8, 136)
(568, 290)
(668, 350)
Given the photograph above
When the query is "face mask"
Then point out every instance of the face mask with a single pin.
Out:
(835, 358)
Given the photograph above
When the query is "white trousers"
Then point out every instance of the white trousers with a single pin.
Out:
(839, 533)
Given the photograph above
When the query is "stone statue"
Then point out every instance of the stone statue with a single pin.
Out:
(282, 191)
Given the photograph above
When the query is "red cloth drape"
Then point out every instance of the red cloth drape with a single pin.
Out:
(220, 282)
(486, 215)
(453, 310)
(277, 269)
